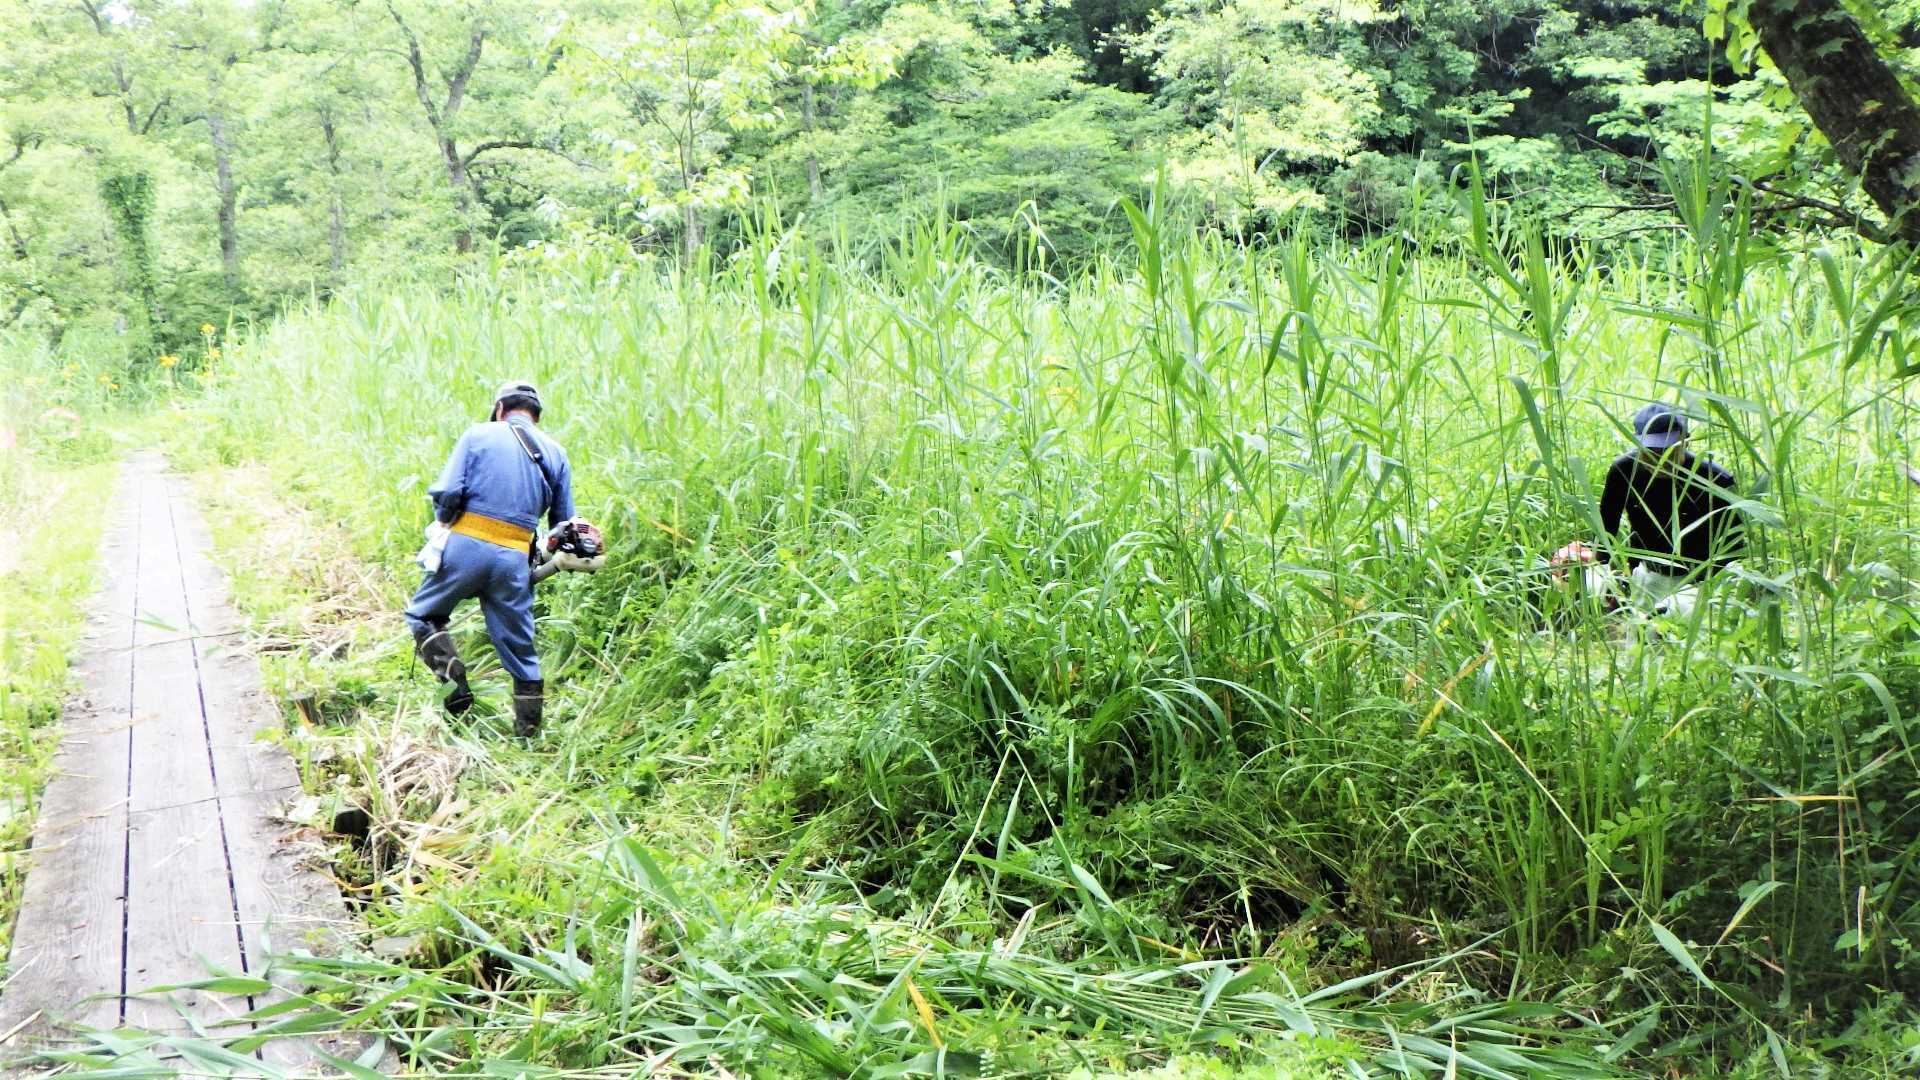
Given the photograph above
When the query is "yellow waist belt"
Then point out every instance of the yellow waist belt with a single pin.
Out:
(493, 531)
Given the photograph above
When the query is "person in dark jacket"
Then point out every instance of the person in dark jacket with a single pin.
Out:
(1678, 509)
(501, 477)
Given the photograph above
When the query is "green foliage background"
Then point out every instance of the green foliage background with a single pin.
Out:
(295, 146)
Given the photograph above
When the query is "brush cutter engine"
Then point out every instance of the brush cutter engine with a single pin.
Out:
(574, 545)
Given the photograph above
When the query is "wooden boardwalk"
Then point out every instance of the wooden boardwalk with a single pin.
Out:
(155, 855)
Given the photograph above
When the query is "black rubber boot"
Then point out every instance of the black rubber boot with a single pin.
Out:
(529, 696)
(437, 652)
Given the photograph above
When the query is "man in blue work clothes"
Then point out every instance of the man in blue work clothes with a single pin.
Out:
(502, 476)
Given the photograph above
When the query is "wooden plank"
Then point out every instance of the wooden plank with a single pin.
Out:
(158, 847)
(180, 910)
(180, 919)
(284, 904)
(67, 940)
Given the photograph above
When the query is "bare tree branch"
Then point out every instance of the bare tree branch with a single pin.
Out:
(1836, 214)
(20, 143)
(457, 82)
(154, 114)
(523, 144)
(500, 144)
(418, 64)
(1624, 208)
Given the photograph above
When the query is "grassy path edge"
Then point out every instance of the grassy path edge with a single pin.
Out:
(46, 586)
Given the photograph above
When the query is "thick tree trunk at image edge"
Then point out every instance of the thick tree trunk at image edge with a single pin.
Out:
(1855, 98)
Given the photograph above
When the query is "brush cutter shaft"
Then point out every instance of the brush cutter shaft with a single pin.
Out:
(564, 561)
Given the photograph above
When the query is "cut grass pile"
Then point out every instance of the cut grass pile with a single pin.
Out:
(1020, 675)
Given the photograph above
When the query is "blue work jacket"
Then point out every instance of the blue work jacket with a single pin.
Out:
(490, 473)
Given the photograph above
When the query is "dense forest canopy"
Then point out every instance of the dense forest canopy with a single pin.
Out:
(164, 165)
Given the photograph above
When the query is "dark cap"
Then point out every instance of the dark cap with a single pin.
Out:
(516, 389)
(1659, 426)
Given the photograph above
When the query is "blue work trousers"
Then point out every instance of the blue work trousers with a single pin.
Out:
(498, 578)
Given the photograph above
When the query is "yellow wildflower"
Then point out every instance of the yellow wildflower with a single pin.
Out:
(105, 379)
(206, 329)
(213, 354)
(168, 360)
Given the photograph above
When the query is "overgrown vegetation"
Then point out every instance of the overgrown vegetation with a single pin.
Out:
(980, 645)
(1060, 620)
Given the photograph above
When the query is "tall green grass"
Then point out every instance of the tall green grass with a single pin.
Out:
(1186, 610)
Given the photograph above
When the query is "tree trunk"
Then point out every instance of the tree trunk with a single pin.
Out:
(1854, 97)
(689, 233)
(462, 194)
(223, 181)
(16, 241)
(126, 97)
(806, 123)
(440, 116)
(337, 212)
(19, 308)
